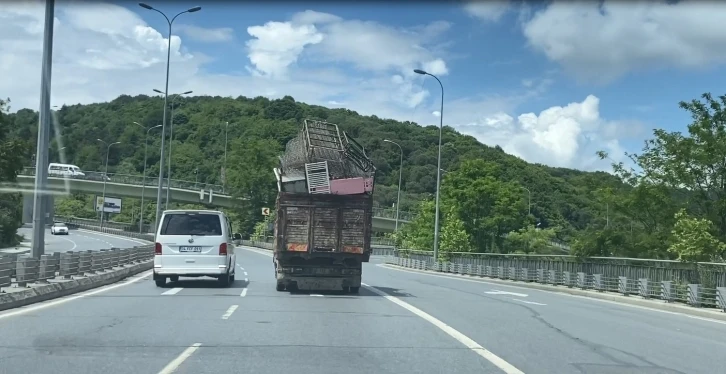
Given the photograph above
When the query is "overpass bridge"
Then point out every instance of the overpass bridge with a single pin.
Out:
(131, 186)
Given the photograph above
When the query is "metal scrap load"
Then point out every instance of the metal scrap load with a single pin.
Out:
(327, 159)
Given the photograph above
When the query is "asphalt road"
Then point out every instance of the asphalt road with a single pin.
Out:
(81, 240)
(404, 323)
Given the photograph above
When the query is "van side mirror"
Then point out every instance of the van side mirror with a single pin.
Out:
(237, 236)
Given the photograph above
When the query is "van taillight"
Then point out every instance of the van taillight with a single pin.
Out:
(157, 248)
(223, 249)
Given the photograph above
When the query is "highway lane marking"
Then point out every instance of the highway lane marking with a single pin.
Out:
(48, 304)
(529, 302)
(316, 295)
(247, 280)
(244, 292)
(229, 311)
(245, 272)
(553, 292)
(72, 242)
(115, 236)
(172, 366)
(461, 338)
(173, 291)
(497, 292)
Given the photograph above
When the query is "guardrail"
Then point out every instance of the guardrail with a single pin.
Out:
(375, 251)
(23, 270)
(391, 214)
(129, 230)
(134, 180)
(697, 285)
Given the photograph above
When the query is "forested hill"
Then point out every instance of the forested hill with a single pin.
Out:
(258, 130)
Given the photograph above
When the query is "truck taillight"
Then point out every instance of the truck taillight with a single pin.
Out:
(223, 249)
(157, 248)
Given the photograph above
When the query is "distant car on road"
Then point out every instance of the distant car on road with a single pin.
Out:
(59, 228)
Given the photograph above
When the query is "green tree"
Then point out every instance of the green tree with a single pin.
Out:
(692, 240)
(12, 152)
(488, 206)
(251, 178)
(454, 237)
(531, 239)
(419, 233)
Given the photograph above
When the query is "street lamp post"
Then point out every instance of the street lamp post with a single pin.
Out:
(224, 166)
(400, 175)
(166, 101)
(143, 183)
(438, 168)
(41, 199)
(171, 140)
(103, 199)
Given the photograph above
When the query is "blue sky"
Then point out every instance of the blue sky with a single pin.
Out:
(515, 75)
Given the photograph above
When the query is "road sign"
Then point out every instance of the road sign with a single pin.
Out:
(265, 211)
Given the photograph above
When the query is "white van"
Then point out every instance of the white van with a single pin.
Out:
(194, 243)
(64, 170)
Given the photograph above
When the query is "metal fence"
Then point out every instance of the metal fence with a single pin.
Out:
(137, 180)
(23, 270)
(375, 251)
(695, 284)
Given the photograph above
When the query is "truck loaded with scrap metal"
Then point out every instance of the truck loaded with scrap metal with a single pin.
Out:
(324, 215)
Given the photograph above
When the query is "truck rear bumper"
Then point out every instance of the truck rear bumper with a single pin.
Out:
(319, 283)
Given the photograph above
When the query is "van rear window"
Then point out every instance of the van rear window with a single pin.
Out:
(191, 224)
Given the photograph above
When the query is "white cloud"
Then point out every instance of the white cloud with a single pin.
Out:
(277, 45)
(490, 11)
(559, 136)
(202, 34)
(102, 51)
(602, 42)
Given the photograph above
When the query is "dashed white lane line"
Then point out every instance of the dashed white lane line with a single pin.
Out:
(316, 295)
(497, 292)
(463, 339)
(172, 366)
(229, 311)
(245, 273)
(244, 292)
(173, 291)
(247, 280)
(528, 302)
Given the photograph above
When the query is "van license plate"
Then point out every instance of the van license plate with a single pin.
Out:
(190, 249)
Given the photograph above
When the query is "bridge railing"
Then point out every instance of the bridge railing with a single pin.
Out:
(697, 284)
(136, 180)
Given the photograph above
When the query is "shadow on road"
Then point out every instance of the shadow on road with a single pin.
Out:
(204, 283)
(363, 292)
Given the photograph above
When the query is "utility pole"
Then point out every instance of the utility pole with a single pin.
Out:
(41, 198)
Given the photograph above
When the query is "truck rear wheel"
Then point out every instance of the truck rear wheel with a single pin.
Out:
(280, 287)
(354, 290)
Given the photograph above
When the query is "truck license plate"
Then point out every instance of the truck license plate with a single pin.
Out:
(190, 249)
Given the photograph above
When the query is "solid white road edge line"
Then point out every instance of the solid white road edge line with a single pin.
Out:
(461, 278)
(139, 241)
(229, 311)
(173, 291)
(461, 338)
(172, 366)
(50, 303)
(72, 242)
(474, 346)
